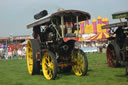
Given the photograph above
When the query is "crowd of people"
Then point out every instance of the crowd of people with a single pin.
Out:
(12, 51)
(15, 51)
(100, 45)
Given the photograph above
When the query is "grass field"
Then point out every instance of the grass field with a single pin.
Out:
(14, 72)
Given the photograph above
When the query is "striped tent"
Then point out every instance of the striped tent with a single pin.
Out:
(99, 36)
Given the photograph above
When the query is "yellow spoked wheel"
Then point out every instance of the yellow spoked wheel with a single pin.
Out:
(29, 57)
(32, 64)
(80, 61)
(49, 65)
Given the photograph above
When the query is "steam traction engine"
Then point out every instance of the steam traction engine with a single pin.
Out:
(117, 50)
(55, 46)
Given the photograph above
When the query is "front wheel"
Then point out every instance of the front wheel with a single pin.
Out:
(49, 65)
(80, 62)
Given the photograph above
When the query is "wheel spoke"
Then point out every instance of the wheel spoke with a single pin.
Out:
(78, 70)
(46, 64)
(50, 74)
(49, 59)
(82, 65)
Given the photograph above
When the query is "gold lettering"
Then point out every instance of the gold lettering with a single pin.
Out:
(121, 16)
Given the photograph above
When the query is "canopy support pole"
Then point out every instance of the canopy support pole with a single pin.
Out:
(77, 26)
(62, 26)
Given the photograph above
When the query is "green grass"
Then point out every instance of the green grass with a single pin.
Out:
(14, 72)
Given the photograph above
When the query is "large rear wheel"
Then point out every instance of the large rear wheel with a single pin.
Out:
(49, 65)
(111, 57)
(80, 62)
(32, 63)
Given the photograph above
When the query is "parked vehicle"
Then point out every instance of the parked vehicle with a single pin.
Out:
(117, 50)
(55, 46)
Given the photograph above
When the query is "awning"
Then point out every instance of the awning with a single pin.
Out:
(99, 36)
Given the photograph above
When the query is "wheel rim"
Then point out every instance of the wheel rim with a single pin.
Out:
(48, 66)
(29, 58)
(111, 58)
(78, 60)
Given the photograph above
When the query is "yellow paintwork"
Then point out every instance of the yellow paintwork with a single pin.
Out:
(79, 67)
(48, 66)
(29, 57)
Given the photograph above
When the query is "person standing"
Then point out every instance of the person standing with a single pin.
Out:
(6, 52)
(24, 52)
(19, 53)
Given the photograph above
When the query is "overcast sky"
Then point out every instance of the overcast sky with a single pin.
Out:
(16, 14)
